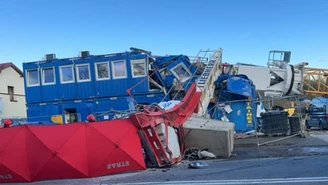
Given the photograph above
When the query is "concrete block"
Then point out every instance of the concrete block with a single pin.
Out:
(214, 135)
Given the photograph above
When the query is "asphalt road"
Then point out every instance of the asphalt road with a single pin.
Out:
(307, 170)
(292, 170)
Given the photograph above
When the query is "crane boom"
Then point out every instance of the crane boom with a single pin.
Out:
(315, 81)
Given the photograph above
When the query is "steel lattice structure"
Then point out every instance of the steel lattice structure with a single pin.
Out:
(315, 81)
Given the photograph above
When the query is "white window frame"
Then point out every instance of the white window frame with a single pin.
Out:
(113, 69)
(184, 66)
(138, 61)
(61, 74)
(43, 76)
(96, 69)
(28, 77)
(78, 74)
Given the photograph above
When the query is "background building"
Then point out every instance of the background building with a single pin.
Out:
(12, 94)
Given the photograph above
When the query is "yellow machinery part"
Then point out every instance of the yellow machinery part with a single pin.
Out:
(290, 111)
(57, 119)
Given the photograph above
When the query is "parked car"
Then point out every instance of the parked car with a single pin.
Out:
(318, 117)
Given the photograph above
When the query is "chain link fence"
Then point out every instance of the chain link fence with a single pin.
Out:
(267, 120)
(282, 118)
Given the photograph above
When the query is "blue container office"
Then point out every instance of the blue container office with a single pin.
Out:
(98, 84)
(88, 84)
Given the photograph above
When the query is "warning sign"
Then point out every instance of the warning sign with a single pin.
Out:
(249, 114)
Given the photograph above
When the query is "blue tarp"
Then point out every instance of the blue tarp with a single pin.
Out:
(237, 84)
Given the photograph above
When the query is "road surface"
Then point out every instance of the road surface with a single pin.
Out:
(290, 170)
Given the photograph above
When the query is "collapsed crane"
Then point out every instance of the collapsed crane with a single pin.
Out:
(315, 81)
(279, 78)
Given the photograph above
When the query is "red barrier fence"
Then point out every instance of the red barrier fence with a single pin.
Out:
(78, 150)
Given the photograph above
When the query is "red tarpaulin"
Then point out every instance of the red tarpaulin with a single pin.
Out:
(111, 151)
(13, 155)
(57, 151)
(77, 150)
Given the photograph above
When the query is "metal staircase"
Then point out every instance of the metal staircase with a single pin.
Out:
(205, 83)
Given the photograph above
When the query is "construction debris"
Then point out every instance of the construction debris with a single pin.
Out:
(198, 165)
(195, 154)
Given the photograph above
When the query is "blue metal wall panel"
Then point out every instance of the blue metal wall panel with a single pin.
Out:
(48, 93)
(85, 108)
(37, 112)
(34, 95)
(103, 88)
(118, 87)
(68, 91)
(85, 90)
(142, 87)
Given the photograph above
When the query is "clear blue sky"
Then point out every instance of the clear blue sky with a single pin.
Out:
(245, 29)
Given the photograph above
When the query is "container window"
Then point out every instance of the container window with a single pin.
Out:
(138, 67)
(48, 76)
(181, 72)
(66, 74)
(102, 70)
(119, 69)
(83, 72)
(33, 77)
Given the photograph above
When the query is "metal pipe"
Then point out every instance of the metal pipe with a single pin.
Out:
(300, 65)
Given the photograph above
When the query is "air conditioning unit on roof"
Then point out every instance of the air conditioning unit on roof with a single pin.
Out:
(50, 56)
(84, 54)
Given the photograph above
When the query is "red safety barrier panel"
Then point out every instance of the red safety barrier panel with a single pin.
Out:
(78, 150)
(113, 146)
(13, 155)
